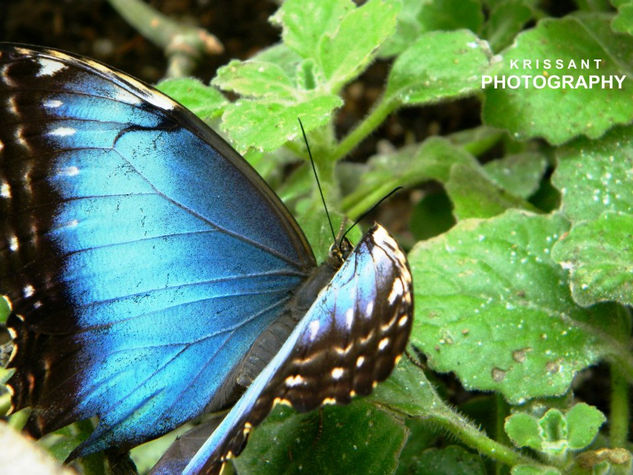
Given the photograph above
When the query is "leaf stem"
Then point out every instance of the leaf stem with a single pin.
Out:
(463, 429)
(619, 410)
(370, 123)
(183, 45)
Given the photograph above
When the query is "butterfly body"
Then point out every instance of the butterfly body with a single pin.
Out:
(153, 275)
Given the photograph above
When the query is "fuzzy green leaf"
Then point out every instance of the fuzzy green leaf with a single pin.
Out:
(204, 101)
(266, 125)
(347, 51)
(493, 307)
(256, 79)
(583, 424)
(432, 160)
(536, 112)
(594, 180)
(553, 431)
(623, 21)
(594, 176)
(519, 174)
(304, 22)
(439, 65)
(417, 17)
(451, 460)
(599, 257)
(474, 195)
(333, 440)
(505, 21)
(523, 430)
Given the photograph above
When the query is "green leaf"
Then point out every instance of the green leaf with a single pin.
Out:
(451, 15)
(583, 424)
(439, 65)
(536, 112)
(519, 174)
(266, 125)
(553, 430)
(451, 460)
(523, 430)
(594, 180)
(282, 56)
(474, 195)
(599, 257)
(331, 440)
(422, 435)
(505, 21)
(431, 216)
(432, 160)
(5, 308)
(257, 79)
(204, 101)
(492, 306)
(623, 21)
(304, 22)
(408, 28)
(347, 51)
(595, 176)
(407, 391)
(417, 17)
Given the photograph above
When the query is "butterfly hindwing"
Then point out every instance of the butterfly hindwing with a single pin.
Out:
(141, 255)
(347, 342)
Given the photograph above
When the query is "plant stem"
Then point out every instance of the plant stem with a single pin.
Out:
(459, 426)
(619, 417)
(500, 416)
(183, 44)
(366, 127)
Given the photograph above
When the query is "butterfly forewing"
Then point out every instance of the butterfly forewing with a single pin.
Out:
(141, 255)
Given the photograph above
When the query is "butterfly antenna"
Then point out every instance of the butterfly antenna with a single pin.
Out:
(316, 175)
(362, 216)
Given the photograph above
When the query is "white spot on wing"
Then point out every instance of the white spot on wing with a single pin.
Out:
(370, 308)
(13, 243)
(5, 190)
(314, 329)
(337, 373)
(296, 380)
(383, 344)
(125, 96)
(403, 321)
(12, 106)
(48, 67)
(349, 318)
(69, 171)
(53, 103)
(389, 324)
(63, 131)
(19, 137)
(396, 291)
(360, 361)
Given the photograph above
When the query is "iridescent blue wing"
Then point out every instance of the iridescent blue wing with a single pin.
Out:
(141, 255)
(349, 340)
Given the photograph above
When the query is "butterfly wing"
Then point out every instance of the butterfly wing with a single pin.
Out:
(350, 339)
(142, 256)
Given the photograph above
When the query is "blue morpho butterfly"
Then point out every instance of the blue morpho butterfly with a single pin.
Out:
(152, 275)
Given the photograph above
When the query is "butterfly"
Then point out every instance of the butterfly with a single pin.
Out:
(153, 275)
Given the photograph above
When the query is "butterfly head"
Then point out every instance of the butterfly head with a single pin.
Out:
(339, 250)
